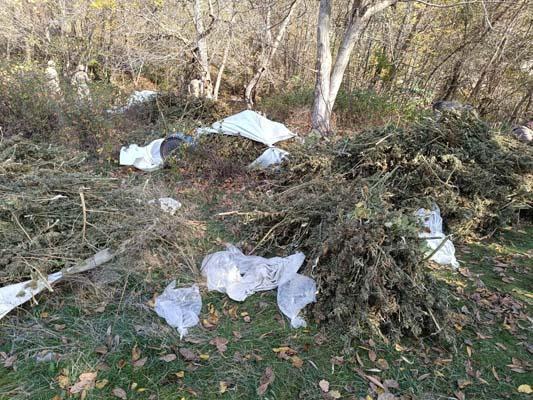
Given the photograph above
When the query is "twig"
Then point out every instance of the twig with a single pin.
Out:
(20, 226)
(84, 209)
(437, 249)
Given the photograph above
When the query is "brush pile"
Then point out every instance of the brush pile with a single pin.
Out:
(56, 211)
(350, 208)
(479, 179)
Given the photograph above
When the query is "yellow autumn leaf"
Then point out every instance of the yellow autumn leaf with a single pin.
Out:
(180, 374)
(101, 384)
(204, 357)
(223, 387)
(525, 389)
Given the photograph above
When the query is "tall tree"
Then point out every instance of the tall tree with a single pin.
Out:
(329, 76)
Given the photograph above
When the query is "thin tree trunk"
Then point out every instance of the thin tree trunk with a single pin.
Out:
(328, 85)
(321, 117)
(201, 41)
(266, 59)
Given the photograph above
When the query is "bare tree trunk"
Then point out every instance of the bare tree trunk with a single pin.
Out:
(201, 41)
(221, 69)
(328, 85)
(321, 118)
(267, 58)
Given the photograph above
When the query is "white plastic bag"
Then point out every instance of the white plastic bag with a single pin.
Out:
(147, 158)
(179, 307)
(239, 276)
(294, 295)
(433, 223)
(271, 156)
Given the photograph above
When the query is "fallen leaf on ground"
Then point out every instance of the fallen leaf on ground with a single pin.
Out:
(372, 355)
(324, 385)
(9, 361)
(297, 362)
(85, 381)
(168, 357)
(386, 396)
(459, 395)
(391, 384)
(188, 354)
(180, 374)
(525, 389)
(204, 357)
(383, 364)
(140, 363)
(462, 383)
(135, 353)
(120, 393)
(223, 387)
(101, 350)
(496, 376)
(265, 381)
(101, 384)
(334, 394)
(220, 343)
(62, 381)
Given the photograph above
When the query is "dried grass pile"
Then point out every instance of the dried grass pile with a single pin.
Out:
(56, 211)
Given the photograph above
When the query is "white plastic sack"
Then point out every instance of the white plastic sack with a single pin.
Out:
(167, 204)
(271, 156)
(138, 97)
(239, 276)
(253, 126)
(294, 295)
(179, 307)
(433, 223)
(147, 158)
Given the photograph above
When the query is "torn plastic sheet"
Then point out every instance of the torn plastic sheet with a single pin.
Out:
(167, 204)
(294, 295)
(146, 158)
(12, 296)
(137, 97)
(240, 276)
(179, 307)
(271, 156)
(433, 231)
(253, 126)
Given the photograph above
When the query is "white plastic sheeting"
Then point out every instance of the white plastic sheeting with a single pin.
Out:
(433, 231)
(12, 296)
(253, 126)
(137, 97)
(147, 158)
(238, 275)
(167, 204)
(271, 156)
(294, 295)
(179, 307)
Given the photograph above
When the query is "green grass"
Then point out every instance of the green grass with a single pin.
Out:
(69, 323)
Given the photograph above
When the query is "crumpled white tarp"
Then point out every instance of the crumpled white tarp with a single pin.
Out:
(271, 156)
(251, 125)
(147, 158)
(238, 275)
(179, 307)
(294, 295)
(167, 204)
(433, 229)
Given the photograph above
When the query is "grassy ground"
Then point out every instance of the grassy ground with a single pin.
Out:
(110, 329)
